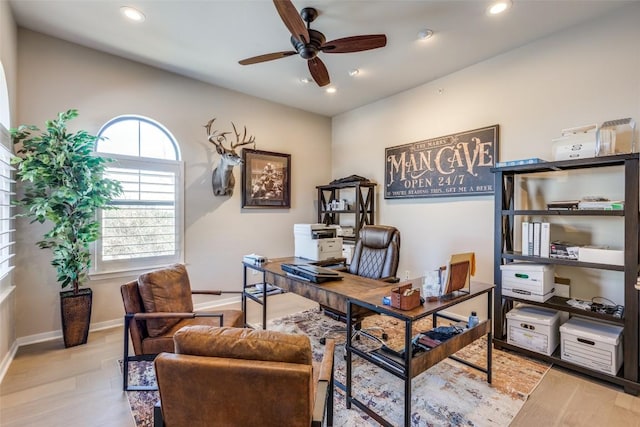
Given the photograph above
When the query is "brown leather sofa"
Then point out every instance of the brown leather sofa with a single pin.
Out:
(158, 304)
(243, 377)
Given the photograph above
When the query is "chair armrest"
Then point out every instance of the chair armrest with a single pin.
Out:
(324, 389)
(169, 315)
(326, 367)
(213, 292)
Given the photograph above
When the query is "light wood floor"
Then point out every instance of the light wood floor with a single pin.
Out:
(48, 385)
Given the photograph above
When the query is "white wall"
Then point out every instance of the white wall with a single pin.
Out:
(56, 75)
(584, 75)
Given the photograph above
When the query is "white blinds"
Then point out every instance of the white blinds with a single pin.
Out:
(7, 232)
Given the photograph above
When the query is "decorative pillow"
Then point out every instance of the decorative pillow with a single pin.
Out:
(162, 291)
(243, 343)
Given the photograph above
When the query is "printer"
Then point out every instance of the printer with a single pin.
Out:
(317, 242)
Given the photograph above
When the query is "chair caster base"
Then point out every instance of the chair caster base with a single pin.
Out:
(323, 340)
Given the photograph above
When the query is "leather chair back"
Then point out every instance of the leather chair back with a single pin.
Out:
(236, 377)
(133, 304)
(377, 252)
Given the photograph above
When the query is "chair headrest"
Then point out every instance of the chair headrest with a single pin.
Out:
(243, 343)
(377, 236)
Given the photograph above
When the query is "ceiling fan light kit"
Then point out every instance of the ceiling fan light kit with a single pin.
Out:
(308, 43)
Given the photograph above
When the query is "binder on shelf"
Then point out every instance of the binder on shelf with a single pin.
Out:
(530, 239)
(525, 238)
(545, 239)
(536, 239)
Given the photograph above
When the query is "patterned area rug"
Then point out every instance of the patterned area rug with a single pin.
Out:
(448, 394)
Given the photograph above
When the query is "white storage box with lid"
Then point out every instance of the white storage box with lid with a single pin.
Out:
(533, 328)
(592, 344)
(533, 282)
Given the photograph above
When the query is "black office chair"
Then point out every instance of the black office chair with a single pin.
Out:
(376, 256)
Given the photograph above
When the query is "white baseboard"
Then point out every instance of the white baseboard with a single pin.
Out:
(48, 336)
(4, 366)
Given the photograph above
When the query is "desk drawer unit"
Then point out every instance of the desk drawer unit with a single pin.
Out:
(592, 344)
(533, 328)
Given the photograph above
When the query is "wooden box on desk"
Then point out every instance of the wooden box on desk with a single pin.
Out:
(402, 301)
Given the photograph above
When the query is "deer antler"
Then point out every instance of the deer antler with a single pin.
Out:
(216, 138)
(244, 141)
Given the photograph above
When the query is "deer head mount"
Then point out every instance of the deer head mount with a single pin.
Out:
(222, 179)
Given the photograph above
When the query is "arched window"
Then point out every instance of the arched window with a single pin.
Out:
(145, 228)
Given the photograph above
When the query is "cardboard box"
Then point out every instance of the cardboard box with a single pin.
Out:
(600, 255)
(533, 282)
(533, 328)
(592, 344)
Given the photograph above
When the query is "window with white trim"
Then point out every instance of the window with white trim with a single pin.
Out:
(7, 233)
(145, 228)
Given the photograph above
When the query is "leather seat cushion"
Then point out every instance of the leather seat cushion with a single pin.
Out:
(164, 342)
(243, 343)
(165, 290)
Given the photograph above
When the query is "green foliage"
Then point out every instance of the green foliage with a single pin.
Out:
(63, 184)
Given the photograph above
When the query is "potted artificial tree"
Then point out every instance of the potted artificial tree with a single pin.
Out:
(64, 184)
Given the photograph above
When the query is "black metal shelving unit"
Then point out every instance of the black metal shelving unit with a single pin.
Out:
(504, 251)
(363, 206)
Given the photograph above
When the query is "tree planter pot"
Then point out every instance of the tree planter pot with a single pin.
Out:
(76, 315)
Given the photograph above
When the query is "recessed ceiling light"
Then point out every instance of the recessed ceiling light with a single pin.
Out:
(354, 72)
(132, 13)
(331, 90)
(305, 80)
(499, 7)
(425, 34)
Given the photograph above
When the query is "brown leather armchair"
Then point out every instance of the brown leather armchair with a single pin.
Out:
(158, 304)
(243, 377)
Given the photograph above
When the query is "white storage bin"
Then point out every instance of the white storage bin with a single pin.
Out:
(592, 344)
(533, 282)
(533, 328)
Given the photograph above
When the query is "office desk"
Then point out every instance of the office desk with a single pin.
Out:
(332, 294)
(412, 366)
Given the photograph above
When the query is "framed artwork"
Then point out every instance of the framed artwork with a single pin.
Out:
(266, 179)
(451, 165)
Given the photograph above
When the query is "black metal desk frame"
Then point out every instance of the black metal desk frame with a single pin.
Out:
(414, 366)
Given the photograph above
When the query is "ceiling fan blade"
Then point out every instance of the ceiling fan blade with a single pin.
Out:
(355, 44)
(318, 71)
(292, 20)
(267, 57)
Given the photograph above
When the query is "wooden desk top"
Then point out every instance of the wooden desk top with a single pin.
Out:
(333, 294)
(373, 300)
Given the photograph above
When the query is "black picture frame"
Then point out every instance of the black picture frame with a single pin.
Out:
(266, 179)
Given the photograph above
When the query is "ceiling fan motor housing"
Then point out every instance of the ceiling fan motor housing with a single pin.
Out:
(309, 50)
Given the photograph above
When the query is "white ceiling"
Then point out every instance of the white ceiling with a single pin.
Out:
(205, 39)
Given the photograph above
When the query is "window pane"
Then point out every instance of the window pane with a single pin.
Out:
(135, 232)
(155, 143)
(121, 137)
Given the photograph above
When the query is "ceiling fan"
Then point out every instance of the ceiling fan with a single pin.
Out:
(308, 43)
